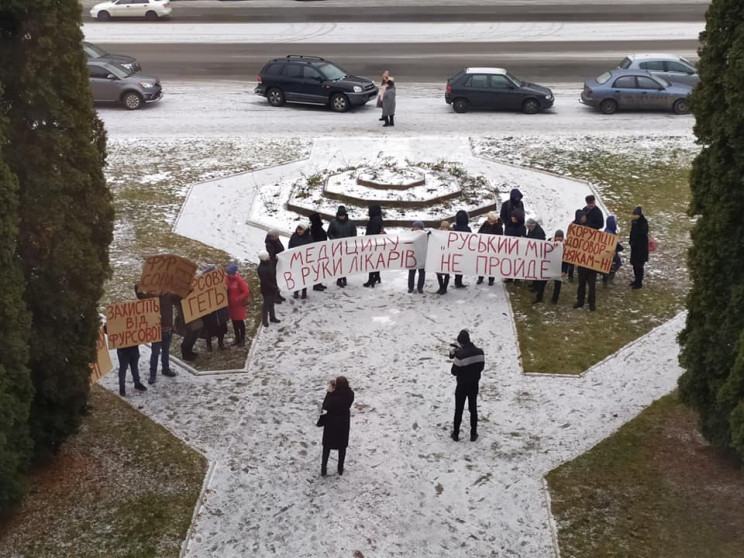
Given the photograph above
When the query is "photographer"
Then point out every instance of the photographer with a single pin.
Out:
(467, 365)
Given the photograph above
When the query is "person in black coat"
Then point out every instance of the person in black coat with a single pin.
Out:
(638, 246)
(443, 278)
(337, 403)
(269, 288)
(300, 237)
(467, 365)
(374, 226)
(341, 227)
(536, 232)
(461, 225)
(319, 235)
(579, 219)
(274, 247)
(492, 225)
(588, 277)
(417, 226)
(513, 227)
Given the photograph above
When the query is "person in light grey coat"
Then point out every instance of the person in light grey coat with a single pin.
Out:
(388, 104)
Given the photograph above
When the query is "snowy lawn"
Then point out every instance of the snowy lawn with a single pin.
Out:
(150, 179)
(653, 489)
(625, 172)
(124, 486)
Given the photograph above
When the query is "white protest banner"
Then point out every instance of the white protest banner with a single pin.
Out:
(134, 322)
(589, 248)
(208, 293)
(510, 257)
(310, 264)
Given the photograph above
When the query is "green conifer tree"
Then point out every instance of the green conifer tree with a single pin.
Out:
(15, 382)
(57, 151)
(713, 339)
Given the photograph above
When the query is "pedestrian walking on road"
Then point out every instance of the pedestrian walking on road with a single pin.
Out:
(388, 104)
(381, 90)
(467, 364)
(337, 403)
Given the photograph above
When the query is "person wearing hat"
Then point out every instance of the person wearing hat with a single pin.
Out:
(417, 226)
(617, 262)
(300, 237)
(388, 103)
(638, 246)
(513, 227)
(588, 277)
(443, 278)
(274, 247)
(374, 226)
(462, 224)
(269, 288)
(341, 227)
(492, 225)
(238, 293)
(536, 232)
(318, 234)
(468, 362)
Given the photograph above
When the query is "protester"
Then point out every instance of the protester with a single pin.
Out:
(161, 348)
(319, 235)
(588, 277)
(558, 238)
(492, 225)
(443, 278)
(536, 232)
(461, 225)
(215, 325)
(579, 219)
(381, 90)
(274, 247)
(337, 403)
(417, 226)
(341, 227)
(467, 365)
(388, 103)
(617, 262)
(129, 358)
(269, 288)
(513, 227)
(638, 246)
(189, 333)
(238, 293)
(300, 237)
(374, 226)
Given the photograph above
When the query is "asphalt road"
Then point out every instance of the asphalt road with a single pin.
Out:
(560, 62)
(316, 11)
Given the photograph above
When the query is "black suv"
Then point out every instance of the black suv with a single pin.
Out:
(495, 88)
(311, 79)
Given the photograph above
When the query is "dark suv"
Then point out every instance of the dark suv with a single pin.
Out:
(311, 79)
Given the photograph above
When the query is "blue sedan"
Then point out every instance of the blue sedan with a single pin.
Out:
(635, 90)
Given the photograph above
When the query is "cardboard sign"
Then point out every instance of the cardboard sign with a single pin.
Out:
(103, 364)
(134, 322)
(307, 265)
(510, 257)
(208, 293)
(589, 248)
(167, 274)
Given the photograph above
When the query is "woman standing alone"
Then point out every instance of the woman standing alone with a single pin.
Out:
(388, 103)
(337, 402)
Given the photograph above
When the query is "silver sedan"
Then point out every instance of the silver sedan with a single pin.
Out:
(635, 90)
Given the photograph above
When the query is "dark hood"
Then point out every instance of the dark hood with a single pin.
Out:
(375, 210)
(611, 224)
(341, 211)
(461, 218)
(316, 220)
(515, 195)
(578, 215)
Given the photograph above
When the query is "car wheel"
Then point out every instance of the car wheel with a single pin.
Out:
(681, 106)
(608, 106)
(275, 97)
(151, 16)
(531, 106)
(103, 15)
(132, 100)
(339, 103)
(460, 105)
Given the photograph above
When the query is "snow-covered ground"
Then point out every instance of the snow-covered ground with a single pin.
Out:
(231, 108)
(390, 32)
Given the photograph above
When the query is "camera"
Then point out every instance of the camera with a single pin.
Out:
(453, 350)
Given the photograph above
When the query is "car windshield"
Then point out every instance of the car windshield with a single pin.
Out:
(93, 51)
(517, 82)
(604, 78)
(331, 72)
(118, 71)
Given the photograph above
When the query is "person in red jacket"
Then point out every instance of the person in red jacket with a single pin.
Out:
(238, 294)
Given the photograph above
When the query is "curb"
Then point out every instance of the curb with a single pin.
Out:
(197, 508)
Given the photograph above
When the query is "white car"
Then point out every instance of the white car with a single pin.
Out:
(666, 66)
(149, 9)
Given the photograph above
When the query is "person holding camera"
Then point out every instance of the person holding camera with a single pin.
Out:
(467, 365)
(337, 403)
